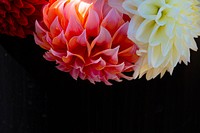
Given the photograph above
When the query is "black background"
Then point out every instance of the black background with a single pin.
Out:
(35, 97)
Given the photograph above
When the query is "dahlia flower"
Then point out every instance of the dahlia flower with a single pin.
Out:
(88, 39)
(164, 31)
(17, 17)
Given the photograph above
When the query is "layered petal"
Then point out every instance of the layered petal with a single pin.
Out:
(164, 31)
(17, 17)
(89, 42)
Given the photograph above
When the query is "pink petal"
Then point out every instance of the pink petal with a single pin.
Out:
(112, 21)
(125, 77)
(59, 9)
(120, 38)
(60, 42)
(74, 73)
(49, 56)
(129, 54)
(92, 23)
(39, 30)
(41, 43)
(76, 48)
(114, 69)
(55, 27)
(117, 4)
(110, 55)
(98, 64)
(74, 28)
(98, 7)
(70, 56)
(78, 64)
(63, 67)
(53, 10)
(46, 16)
(57, 53)
(82, 40)
(102, 41)
(69, 9)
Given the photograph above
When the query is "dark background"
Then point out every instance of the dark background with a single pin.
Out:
(35, 97)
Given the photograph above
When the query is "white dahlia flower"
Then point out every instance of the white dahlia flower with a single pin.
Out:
(164, 31)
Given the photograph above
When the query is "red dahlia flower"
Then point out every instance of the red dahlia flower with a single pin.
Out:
(17, 17)
(88, 39)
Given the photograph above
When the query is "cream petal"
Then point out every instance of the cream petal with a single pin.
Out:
(170, 69)
(156, 72)
(133, 27)
(144, 67)
(158, 36)
(131, 6)
(174, 12)
(163, 72)
(178, 43)
(170, 28)
(145, 30)
(175, 56)
(166, 46)
(149, 74)
(161, 18)
(149, 10)
(155, 56)
(176, 27)
(185, 56)
(190, 42)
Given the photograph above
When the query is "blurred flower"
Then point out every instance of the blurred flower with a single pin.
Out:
(17, 17)
(164, 31)
(88, 39)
